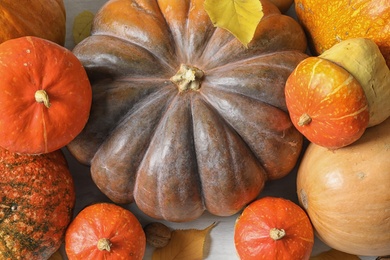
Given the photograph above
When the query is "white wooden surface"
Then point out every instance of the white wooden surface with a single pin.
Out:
(219, 244)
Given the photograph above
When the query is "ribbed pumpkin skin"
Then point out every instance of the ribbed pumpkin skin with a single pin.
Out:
(180, 152)
(41, 18)
(37, 197)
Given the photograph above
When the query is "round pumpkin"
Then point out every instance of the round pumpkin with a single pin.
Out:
(184, 117)
(273, 228)
(45, 95)
(334, 97)
(346, 193)
(330, 22)
(37, 197)
(104, 231)
(41, 18)
(326, 103)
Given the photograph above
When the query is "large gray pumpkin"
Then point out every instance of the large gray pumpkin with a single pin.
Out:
(184, 117)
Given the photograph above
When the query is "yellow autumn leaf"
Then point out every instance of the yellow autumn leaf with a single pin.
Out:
(334, 254)
(185, 244)
(239, 17)
(82, 26)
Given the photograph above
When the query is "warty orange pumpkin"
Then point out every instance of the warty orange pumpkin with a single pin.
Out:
(37, 197)
(330, 22)
(41, 18)
(185, 118)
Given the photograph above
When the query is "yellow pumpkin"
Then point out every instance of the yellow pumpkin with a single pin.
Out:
(346, 193)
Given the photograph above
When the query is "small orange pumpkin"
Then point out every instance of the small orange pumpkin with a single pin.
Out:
(105, 231)
(45, 95)
(273, 228)
(326, 103)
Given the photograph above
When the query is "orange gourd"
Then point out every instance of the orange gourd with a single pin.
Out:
(334, 97)
(45, 95)
(37, 198)
(273, 228)
(326, 103)
(330, 22)
(105, 231)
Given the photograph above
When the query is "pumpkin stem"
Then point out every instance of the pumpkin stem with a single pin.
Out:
(305, 119)
(276, 233)
(188, 77)
(41, 96)
(104, 244)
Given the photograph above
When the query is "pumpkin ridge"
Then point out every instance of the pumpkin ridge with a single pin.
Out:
(163, 60)
(267, 133)
(228, 134)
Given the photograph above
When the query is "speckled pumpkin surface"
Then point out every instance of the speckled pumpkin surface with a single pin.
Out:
(37, 197)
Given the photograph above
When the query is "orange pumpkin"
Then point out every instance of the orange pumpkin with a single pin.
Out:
(37, 197)
(326, 103)
(273, 228)
(105, 231)
(329, 22)
(41, 18)
(45, 95)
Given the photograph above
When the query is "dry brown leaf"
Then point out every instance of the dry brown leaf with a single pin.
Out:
(56, 256)
(185, 244)
(334, 254)
(82, 26)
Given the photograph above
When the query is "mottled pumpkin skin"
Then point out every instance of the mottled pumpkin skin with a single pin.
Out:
(330, 22)
(41, 18)
(178, 153)
(37, 198)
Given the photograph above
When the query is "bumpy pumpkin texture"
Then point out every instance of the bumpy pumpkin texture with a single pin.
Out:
(184, 117)
(45, 95)
(330, 22)
(37, 198)
(41, 18)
